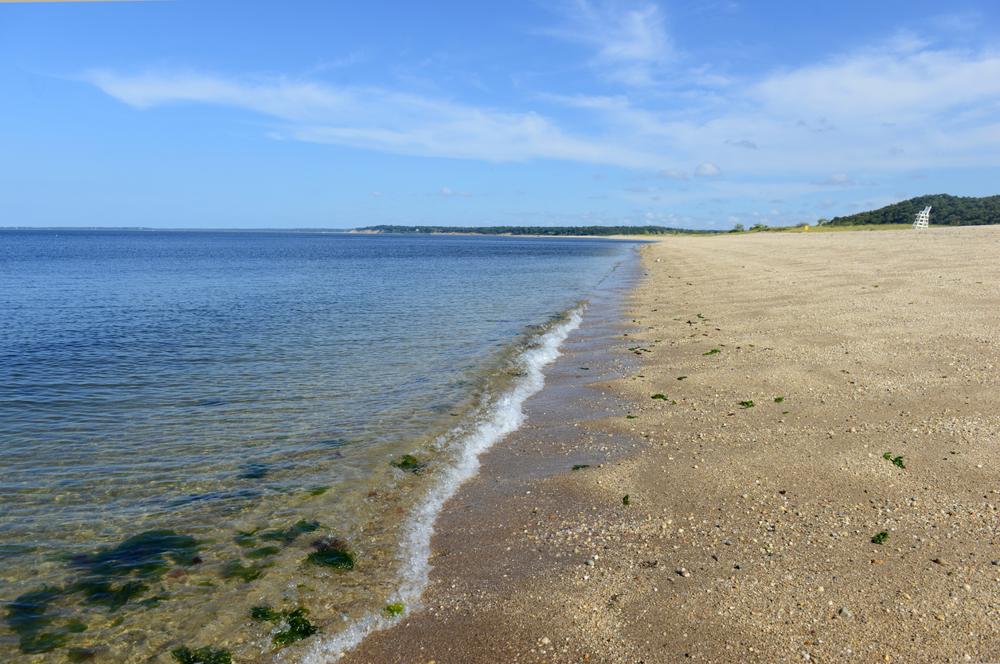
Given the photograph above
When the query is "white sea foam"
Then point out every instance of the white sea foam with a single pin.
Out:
(506, 415)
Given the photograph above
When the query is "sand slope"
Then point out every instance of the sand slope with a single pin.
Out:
(747, 536)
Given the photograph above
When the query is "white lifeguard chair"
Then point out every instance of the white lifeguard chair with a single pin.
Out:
(923, 219)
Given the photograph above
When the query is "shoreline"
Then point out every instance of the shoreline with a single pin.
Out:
(748, 534)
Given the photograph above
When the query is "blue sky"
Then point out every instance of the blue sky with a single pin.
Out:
(694, 113)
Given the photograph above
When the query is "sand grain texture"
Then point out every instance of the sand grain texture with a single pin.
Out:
(747, 537)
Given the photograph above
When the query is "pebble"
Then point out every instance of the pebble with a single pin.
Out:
(844, 612)
(683, 572)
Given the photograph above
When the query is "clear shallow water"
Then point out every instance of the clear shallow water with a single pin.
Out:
(228, 386)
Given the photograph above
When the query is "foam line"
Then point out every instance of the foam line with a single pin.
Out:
(505, 416)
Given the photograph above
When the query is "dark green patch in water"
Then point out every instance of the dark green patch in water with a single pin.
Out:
(331, 552)
(203, 655)
(296, 625)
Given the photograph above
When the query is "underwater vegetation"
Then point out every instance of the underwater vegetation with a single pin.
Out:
(28, 617)
(746, 404)
(234, 569)
(714, 351)
(394, 609)
(203, 655)
(580, 466)
(110, 577)
(254, 471)
(331, 552)
(296, 625)
(409, 464)
(880, 537)
(286, 536)
(660, 396)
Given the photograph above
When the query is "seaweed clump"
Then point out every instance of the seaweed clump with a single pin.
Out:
(234, 569)
(249, 538)
(296, 624)
(28, 616)
(203, 655)
(113, 576)
(409, 463)
(393, 610)
(110, 577)
(896, 461)
(331, 552)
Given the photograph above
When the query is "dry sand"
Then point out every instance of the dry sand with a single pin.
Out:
(748, 533)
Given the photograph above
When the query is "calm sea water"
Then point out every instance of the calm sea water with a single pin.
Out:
(186, 417)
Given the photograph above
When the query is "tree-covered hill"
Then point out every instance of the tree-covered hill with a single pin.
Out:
(946, 211)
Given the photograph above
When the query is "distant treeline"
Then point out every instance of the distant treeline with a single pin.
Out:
(531, 230)
(946, 211)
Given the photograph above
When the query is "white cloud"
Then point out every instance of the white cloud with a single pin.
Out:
(837, 180)
(630, 41)
(897, 106)
(377, 119)
(706, 170)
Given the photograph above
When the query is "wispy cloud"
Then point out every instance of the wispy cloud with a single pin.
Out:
(376, 118)
(629, 41)
(895, 106)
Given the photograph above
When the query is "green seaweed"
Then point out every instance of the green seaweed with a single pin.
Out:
(394, 609)
(580, 466)
(896, 461)
(77, 655)
(264, 613)
(681, 377)
(296, 625)
(104, 593)
(714, 351)
(331, 552)
(203, 655)
(631, 417)
(113, 576)
(880, 537)
(262, 552)
(746, 404)
(409, 464)
(660, 396)
(254, 471)
(234, 569)
(246, 538)
(778, 399)
(298, 628)
(288, 535)
(318, 490)
(145, 555)
(28, 616)
(625, 500)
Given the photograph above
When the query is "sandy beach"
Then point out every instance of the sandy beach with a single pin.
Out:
(784, 368)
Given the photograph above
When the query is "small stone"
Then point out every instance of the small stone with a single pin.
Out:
(545, 641)
(683, 572)
(844, 612)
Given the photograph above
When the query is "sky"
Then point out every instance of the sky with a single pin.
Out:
(294, 114)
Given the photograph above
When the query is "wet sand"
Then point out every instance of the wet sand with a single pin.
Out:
(748, 530)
